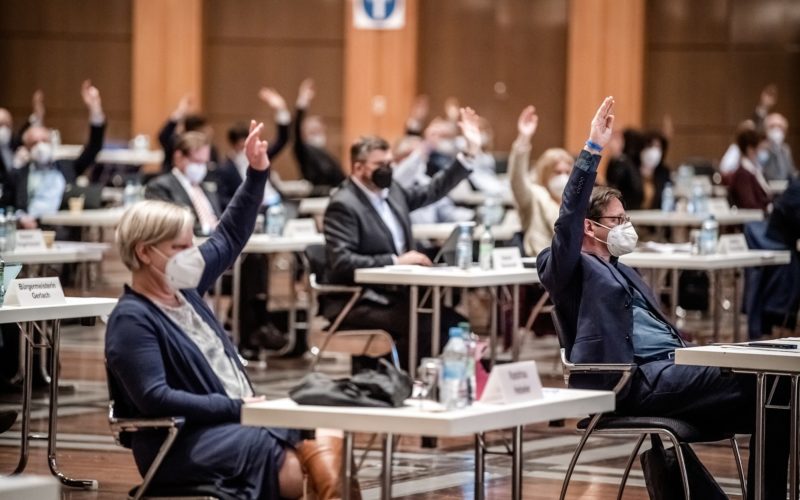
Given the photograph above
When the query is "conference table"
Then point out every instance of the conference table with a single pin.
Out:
(95, 217)
(759, 361)
(475, 419)
(679, 222)
(116, 156)
(439, 278)
(46, 321)
(713, 264)
(440, 231)
(62, 252)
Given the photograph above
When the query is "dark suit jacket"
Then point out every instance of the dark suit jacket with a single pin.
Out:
(626, 176)
(784, 221)
(228, 177)
(167, 187)
(317, 166)
(167, 137)
(18, 189)
(356, 236)
(592, 296)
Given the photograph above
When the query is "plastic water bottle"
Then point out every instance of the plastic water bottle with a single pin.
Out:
(698, 203)
(709, 233)
(464, 247)
(276, 218)
(2, 230)
(485, 248)
(11, 229)
(2, 281)
(453, 383)
(472, 343)
(130, 194)
(668, 198)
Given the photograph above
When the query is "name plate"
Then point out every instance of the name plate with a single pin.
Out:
(300, 227)
(30, 239)
(35, 292)
(718, 206)
(732, 243)
(512, 383)
(506, 258)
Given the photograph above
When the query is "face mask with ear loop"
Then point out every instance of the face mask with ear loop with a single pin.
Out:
(184, 269)
(621, 239)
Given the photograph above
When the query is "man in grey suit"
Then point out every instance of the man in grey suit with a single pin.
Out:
(367, 224)
(778, 164)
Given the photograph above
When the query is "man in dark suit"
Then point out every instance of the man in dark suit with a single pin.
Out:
(613, 317)
(182, 121)
(367, 224)
(37, 187)
(7, 147)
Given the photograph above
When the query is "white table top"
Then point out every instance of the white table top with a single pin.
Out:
(313, 206)
(294, 188)
(659, 218)
(121, 156)
(686, 261)
(29, 486)
(263, 243)
(441, 231)
(100, 217)
(75, 307)
(556, 404)
(744, 358)
(445, 276)
(62, 252)
(777, 187)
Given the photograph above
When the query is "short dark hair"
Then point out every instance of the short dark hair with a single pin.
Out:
(194, 122)
(238, 132)
(364, 145)
(190, 141)
(599, 200)
(748, 138)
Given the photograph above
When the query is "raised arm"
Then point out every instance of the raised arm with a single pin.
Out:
(519, 159)
(237, 222)
(282, 119)
(558, 264)
(97, 128)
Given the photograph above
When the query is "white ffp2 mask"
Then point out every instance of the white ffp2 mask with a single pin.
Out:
(621, 239)
(184, 269)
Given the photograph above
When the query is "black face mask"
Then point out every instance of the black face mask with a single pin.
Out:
(382, 176)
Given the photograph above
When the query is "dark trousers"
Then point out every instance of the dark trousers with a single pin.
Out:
(252, 298)
(394, 319)
(720, 402)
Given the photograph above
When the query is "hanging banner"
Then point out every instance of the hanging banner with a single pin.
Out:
(379, 14)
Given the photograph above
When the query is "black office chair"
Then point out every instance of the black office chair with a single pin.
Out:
(679, 432)
(121, 428)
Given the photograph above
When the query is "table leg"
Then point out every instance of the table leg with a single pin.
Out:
(347, 466)
(25, 339)
(759, 438)
(292, 304)
(673, 295)
(794, 415)
(436, 321)
(89, 484)
(480, 455)
(735, 306)
(515, 334)
(716, 293)
(386, 476)
(413, 324)
(516, 465)
(237, 283)
(493, 331)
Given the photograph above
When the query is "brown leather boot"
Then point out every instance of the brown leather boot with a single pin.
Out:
(321, 458)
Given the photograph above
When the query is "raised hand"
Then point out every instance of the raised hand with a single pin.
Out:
(306, 93)
(91, 97)
(37, 104)
(769, 96)
(527, 123)
(470, 129)
(255, 149)
(273, 99)
(419, 109)
(451, 108)
(602, 123)
(183, 107)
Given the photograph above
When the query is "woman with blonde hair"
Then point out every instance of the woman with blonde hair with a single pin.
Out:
(538, 197)
(167, 355)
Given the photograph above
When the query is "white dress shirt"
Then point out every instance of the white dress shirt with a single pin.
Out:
(381, 204)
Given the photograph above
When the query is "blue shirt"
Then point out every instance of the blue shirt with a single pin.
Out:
(653, 339)
(45, 190)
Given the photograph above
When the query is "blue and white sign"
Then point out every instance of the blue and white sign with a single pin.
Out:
(379, 14)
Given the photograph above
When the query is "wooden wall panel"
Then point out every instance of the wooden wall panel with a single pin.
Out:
(56, 44)
(707, 62)
(497, 56)
(253, 43)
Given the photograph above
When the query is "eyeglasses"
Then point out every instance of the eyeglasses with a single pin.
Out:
(620, 219)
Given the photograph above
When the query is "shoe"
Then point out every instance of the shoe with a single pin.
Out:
(7, 419)
(321, 459)
(270, 338)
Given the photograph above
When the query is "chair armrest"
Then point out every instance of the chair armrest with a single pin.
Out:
(624, 369)
(136, 424)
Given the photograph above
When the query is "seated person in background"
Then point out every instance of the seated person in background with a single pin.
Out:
(316, 164)
(7, 147)
(37, 185)
(767, 99)
(747, 187)
(613, 317)
(623, 170)
(167, 355)
(642, 179)
(367, 224)
(779, 164)
(231, 173)
(538, 200)
(179, 122)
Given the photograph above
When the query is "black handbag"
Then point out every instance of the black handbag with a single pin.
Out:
(386, 387)
(662, 474)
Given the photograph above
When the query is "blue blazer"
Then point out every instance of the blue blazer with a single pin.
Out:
(593, 297)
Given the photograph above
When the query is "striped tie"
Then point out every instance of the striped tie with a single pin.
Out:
(202, 207)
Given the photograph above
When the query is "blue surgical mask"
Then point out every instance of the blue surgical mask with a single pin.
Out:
(762, 156)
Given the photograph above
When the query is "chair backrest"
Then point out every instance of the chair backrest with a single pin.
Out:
(564, 339)
(373, 343)
(317, 261)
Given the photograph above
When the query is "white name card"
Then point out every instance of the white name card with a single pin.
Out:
(506, 258)
(732, 243)
(513, 382)
(35, 292)
(300, 227)
(718, 206)
(30, 239)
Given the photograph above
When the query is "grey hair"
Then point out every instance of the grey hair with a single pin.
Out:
(149, 222)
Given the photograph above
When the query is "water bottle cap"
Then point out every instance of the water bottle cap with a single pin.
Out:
(455, 332)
